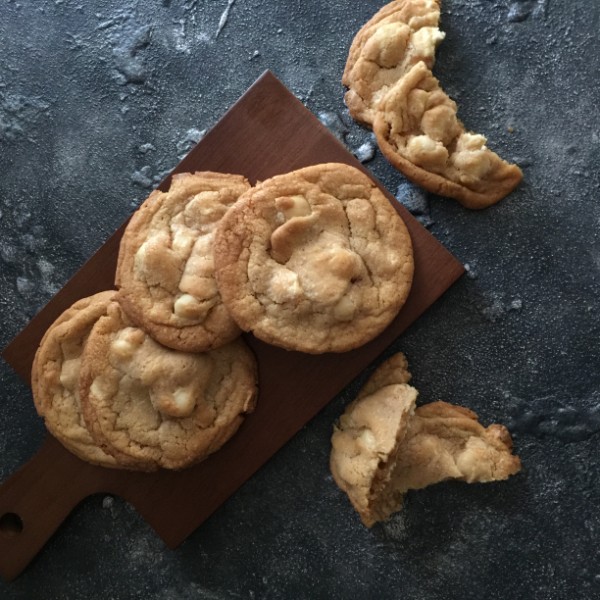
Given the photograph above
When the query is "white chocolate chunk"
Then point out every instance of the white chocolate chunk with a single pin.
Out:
(123, 349)
(293, 206)
(472, 165)
(471, 141)
(388, 44)
(427, 153)
(125, 344)
(440, 124)
(426, 39)
(284, 286)
(344, 310)
(179, 404)
(202, 209)
(188, 307)
(69, 373)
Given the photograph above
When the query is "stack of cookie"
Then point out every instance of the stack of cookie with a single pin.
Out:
(155, 374)
(391, 89)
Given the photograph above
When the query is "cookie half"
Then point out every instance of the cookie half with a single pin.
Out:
(158, 406)
(315, 260)
(55, 378)
(419, 133)
(165, 267)
(398, 36)
(383, 446)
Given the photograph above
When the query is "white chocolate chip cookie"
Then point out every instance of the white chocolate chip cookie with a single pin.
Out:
(158, 406)
(315, 260)
(165, 267)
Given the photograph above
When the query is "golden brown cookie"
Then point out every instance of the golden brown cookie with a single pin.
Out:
(165, 266)
(383, 446)
(158, 406)
(315, 260)
(418, 132)
(55, 378)
(398, 36)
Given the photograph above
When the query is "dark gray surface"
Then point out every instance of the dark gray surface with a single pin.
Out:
(99, 99)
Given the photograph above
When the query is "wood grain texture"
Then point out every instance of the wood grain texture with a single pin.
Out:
(268, 131)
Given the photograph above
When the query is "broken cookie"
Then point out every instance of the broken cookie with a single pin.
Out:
(391, 88)
(419, 133)
(398, 36)
(383, 446)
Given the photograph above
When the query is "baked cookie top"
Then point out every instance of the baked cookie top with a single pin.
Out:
(398, 36)
(55, 378)
(165, 266)
(315, 260)
(419, 133)
(383, 446)
(162, 407)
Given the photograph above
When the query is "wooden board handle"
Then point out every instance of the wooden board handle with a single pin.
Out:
(34, 502)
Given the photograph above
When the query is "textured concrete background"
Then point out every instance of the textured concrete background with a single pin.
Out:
(99, 99)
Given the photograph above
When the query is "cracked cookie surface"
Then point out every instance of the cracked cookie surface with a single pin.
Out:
(315, 260)
(383, 446)
(165, 269)
(398, 36)
(55, 378)
(419, 133)
(161, 407)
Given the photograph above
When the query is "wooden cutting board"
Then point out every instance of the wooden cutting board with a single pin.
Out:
(268, 131)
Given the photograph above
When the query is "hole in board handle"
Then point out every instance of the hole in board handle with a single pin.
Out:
(11, 524)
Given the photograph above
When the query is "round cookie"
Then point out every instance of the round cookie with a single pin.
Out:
(315, 260)
(55, 378)
(419, 133)
(398, 36)
(165, 265)
(162, 407)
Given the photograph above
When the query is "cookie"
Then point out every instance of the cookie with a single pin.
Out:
(418, 132)
(165, 266)
(398, 36)
(315, 260)
(158, 406)
(55, 378)
(383, 446)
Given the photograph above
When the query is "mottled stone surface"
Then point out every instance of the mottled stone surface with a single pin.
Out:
(99, 99)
